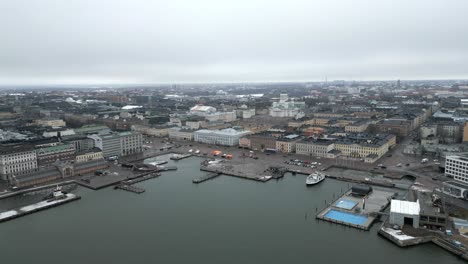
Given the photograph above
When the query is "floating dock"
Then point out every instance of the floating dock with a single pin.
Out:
(29, 209)
(207, 177)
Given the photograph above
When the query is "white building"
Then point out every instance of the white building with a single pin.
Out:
(221, 116)
(181, 133)
(226, 137)
(245, 113)
(456, 167)
(118, 144)
(17, 160)
(130, 143)
(404, 213)
(285, 107)
(56, 132)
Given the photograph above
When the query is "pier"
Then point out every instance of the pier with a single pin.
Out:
(130, 188)
(237, 174)
(143, 178)
(167, 168)
(206, 177)
(29, 209)
(127, 185)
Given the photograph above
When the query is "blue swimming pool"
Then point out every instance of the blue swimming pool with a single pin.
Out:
(345, 204)
(346, 217)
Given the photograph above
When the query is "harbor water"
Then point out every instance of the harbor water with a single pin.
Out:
(224, 220)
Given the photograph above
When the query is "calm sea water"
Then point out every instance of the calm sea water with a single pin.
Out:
(225, 220)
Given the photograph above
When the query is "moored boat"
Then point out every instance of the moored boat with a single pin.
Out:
(314, 178)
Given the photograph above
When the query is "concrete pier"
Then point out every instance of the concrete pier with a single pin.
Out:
(29, 209)
(207, 177)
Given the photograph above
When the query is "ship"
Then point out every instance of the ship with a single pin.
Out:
(314, 178)
(56, 194)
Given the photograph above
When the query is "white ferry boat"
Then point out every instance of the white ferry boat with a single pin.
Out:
(315, 178)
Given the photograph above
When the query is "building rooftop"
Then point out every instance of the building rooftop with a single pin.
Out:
(57, 148)
(404, 207)
(15, 148)
(227, 131)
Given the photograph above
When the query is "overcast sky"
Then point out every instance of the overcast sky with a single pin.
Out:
(178, 41)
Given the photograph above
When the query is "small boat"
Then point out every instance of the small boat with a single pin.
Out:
(57, 194)
(158, 162)
(314, 178)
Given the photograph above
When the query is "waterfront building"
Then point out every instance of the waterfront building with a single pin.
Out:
(404, 213)
(17, 159)
(90, 155)
(287, 144)
(264, 140)
(130, 143)
(315, 147)
(58, 170)
(108, 143)
(50, 154)
(226, 137)
(362, 146)
(82, 143)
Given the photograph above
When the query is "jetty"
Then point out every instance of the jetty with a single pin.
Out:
(206, 177)
(29, 209)
(130, 188)
(167, 168)
(143, 178)
(238, 174)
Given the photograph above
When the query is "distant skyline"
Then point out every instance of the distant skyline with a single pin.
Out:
(47, 42)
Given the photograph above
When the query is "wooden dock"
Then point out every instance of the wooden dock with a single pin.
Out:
(206, 177)
(130, 188)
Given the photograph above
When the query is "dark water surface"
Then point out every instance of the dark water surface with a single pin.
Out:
(225, 220)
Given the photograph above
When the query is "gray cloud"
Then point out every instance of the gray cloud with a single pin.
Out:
(102, 41)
